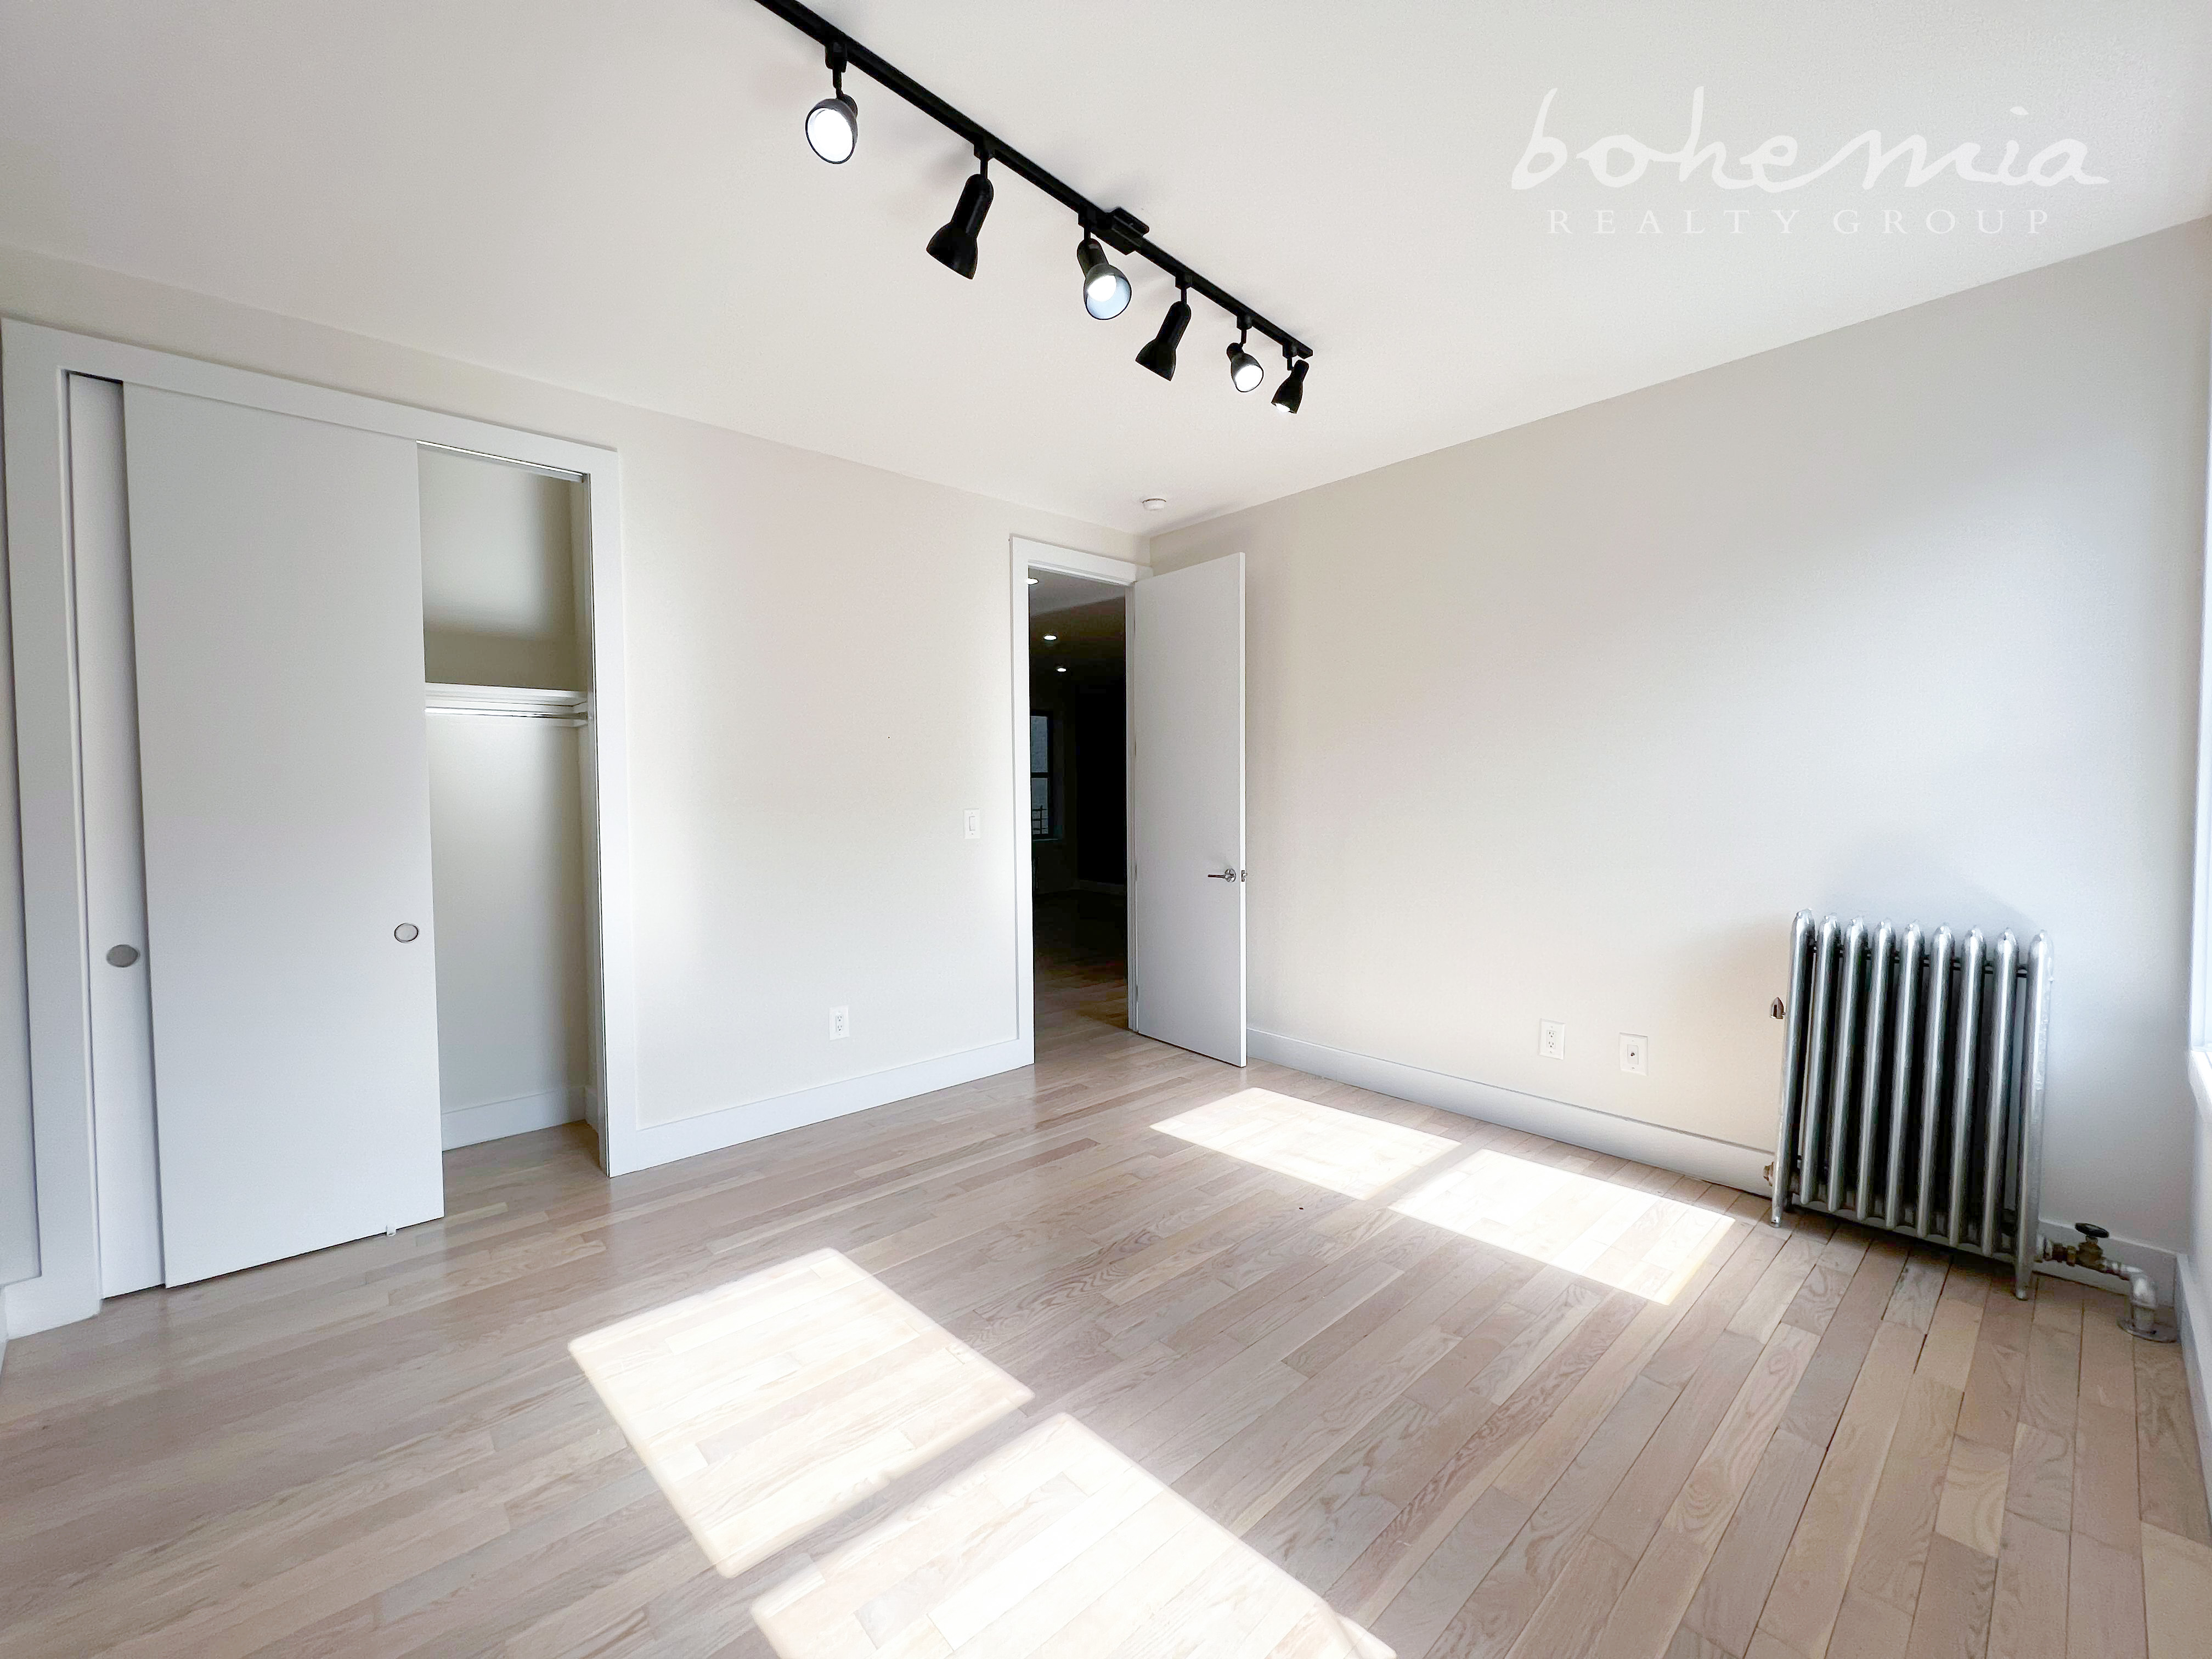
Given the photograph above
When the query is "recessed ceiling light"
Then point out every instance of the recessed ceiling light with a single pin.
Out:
(1050, 637)
(1155, 503)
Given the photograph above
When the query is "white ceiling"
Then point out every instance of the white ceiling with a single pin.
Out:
(617, 198)
(1052, 591)
(1087, 622)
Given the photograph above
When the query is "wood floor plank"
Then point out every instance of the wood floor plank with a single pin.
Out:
(1736, 1585)
(1811, 1585)
(1668, 1573)
(1642, 1501)
(1436, 1593)
(1918, 1289)
(1972, 1509)
(1491, 1619)
(1569, 1620)
(2167, 1455)
(1952, 1619)
(1894, 1552)
(2104, 1608)
(2028, 1617)
(2177, 1594)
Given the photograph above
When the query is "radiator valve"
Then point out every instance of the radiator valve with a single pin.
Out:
(2142, 1317)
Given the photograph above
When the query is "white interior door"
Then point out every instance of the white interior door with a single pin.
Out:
(277, 598)
(126, 1163)
(1186, 670)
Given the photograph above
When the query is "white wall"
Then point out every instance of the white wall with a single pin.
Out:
(818, 685)
(507, 863)
(2194, 1311)
(1901, 621)
(499, 584)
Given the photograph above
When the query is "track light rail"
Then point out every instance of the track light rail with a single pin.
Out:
(1117, 227)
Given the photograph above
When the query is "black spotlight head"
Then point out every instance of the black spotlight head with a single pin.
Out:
(1245, 371)
(954, 246)
(1292, 391)
(833, 128)
(1105, 289)
(1159, 355)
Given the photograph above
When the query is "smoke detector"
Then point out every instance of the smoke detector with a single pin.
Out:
(1155, 503)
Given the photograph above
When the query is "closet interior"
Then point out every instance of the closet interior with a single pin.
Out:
(507, 657)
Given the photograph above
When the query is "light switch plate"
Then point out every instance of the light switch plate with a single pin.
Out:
(975, 824)
(1634, 1051)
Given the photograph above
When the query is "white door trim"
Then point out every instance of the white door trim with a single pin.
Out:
(34, 365)
(1068, 562)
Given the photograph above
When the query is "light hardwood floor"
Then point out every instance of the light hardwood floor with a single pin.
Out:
(1825, 1444)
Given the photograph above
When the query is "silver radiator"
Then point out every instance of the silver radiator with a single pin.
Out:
(1912, 1085)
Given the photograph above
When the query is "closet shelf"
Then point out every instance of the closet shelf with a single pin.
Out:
(509, 703)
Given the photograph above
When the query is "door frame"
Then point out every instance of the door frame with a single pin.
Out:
(35, 363)
(1029, 555)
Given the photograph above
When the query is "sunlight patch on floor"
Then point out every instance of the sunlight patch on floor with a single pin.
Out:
(1055, 1544)
(1343, 1151)
(768, 1405)
(1631, 1240)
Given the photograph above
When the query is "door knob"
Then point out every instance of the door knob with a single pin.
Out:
(407, 932)
(1229, 873)
(122, 956)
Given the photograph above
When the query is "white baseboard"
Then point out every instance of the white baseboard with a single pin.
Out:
(1723, 1162)
(2191, 1311)
(495, 1120)
(663, 1143)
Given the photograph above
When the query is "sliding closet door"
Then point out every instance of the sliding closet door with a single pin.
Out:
(276, 587)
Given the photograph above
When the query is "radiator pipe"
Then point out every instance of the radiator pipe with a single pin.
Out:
(2140, 1318)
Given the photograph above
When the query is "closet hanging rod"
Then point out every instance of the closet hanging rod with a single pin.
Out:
(556, 716)
(513, 702)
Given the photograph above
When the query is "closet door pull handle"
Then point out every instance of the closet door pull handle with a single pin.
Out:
(407, 932)
(121, 956)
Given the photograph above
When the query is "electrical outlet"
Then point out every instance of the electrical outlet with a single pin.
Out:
(975, 820)
(1633, 1051)
(841, 1025)
(1551, 1039)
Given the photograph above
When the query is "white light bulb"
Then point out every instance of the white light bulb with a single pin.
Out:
(833, 128)
(1106, 295)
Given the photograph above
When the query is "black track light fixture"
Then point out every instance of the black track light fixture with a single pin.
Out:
(1159, 355)
(833, 126)
(1245, 371)
(954, 245)
(833, 132)
(1105, 289)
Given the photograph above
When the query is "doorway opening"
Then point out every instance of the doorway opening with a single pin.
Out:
(1078, 800)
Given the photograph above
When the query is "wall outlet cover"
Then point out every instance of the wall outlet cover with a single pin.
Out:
(1634, 1051)
(841, 1025)
(1551, 1039)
